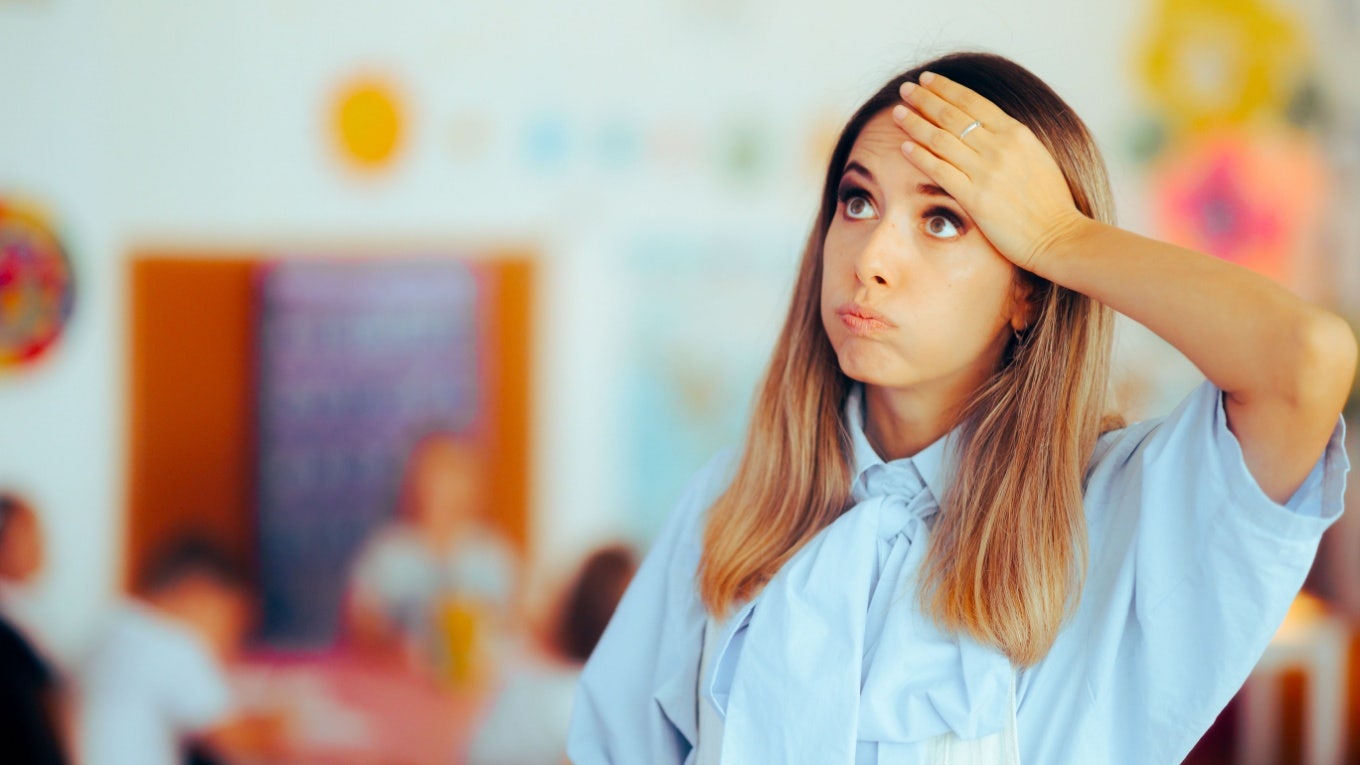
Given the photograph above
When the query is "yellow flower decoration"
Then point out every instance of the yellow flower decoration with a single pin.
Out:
(1214, 62)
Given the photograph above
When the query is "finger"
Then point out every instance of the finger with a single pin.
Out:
(967, 100)
(941, 142)
(939, 111)
(947, 176)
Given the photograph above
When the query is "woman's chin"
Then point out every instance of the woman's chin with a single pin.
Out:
(868, 369)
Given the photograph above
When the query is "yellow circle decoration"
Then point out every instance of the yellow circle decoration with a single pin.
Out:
(1215, 62)
(368, 123)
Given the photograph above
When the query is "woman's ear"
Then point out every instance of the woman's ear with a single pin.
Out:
(1024, 303)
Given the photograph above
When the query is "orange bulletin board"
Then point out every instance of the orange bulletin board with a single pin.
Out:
(190, 422)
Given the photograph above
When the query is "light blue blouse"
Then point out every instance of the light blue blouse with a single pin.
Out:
(1191, 569)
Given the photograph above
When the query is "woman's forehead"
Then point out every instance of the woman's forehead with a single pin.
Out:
(878, 147)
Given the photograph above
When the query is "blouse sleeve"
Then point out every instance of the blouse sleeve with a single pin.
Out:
(1215, 564)
(635, 701)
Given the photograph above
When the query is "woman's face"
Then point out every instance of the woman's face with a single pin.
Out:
(446, 485)
(912, 293)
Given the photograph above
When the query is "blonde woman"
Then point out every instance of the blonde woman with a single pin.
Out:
(935, 546)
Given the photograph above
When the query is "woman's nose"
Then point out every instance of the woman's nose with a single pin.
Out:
(877, 261)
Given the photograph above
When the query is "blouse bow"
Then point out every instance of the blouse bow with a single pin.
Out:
(835, 651)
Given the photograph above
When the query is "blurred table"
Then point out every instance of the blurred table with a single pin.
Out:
(344, 708)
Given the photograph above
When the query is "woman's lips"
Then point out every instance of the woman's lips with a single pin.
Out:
(862, 320)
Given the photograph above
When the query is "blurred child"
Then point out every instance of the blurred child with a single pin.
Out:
(528, 721)
(32, 701)
(23, 555)
(154, 691)
(435, 585)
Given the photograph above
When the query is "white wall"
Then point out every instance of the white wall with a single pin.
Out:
(61, 430)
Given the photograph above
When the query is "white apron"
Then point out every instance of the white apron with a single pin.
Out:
(997, 749)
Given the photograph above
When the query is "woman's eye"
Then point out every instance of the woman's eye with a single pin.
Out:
(857, 206)
(943, 226)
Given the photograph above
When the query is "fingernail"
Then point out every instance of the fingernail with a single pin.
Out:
(899, 112)
(926, 77)
(908, 87)
(908, 147)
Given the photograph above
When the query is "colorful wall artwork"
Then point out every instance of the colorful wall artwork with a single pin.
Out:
(1253, 199)
(37, 285)
(370, 122)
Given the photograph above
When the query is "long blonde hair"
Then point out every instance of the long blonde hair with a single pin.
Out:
(1008, 552)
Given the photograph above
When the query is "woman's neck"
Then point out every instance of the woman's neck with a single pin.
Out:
(900, 422)
(897, 428)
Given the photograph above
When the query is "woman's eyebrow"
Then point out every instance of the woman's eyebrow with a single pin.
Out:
(931, 190)
(922, 189)
(854, 167)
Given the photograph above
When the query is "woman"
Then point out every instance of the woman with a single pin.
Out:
(935, 547)
(436, 584)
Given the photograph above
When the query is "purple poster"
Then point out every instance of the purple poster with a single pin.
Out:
(355, 358)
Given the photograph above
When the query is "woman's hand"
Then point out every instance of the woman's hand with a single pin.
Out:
(1000, 173)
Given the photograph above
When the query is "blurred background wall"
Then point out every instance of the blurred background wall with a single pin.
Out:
(657, 163)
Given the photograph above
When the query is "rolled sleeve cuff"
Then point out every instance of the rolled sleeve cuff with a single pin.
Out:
(1314, 506)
